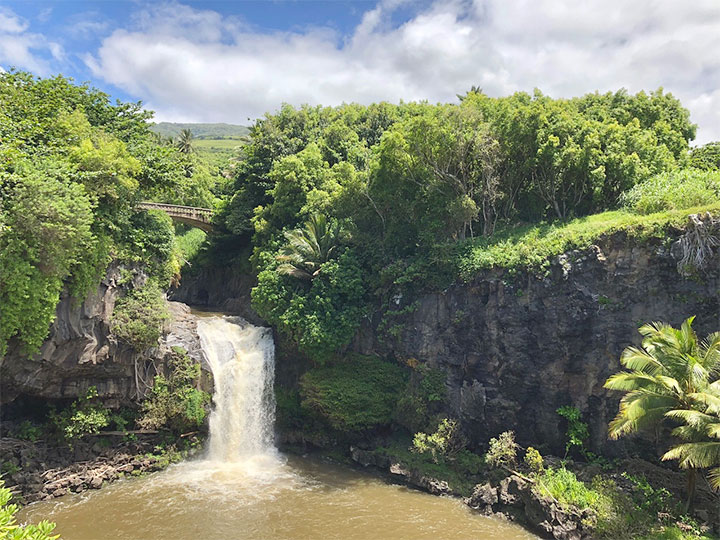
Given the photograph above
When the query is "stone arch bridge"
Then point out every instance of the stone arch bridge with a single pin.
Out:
(190, 215)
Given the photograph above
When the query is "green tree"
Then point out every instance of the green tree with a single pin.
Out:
(72, 167)
(700, 423)
(706, 157)
(184, 142)
(307, 249)
(663, 376)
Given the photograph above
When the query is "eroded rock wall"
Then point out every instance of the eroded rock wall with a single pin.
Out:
(516, 346)
(80, 350)
(224, 288)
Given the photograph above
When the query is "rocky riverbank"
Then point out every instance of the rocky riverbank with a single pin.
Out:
(36, 471)
(515, 497)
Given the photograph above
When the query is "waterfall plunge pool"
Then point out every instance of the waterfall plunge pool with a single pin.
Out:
(245, 489)
(265, 499)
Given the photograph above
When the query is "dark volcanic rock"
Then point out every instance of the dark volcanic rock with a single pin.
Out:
(516, 346)
(222, 288)
(80, 350)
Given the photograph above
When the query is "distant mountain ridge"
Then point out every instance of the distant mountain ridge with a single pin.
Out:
(200, 130)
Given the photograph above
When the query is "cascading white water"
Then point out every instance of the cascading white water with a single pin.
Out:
(242, 359)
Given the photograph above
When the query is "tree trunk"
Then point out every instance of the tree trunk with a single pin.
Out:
(691, 484)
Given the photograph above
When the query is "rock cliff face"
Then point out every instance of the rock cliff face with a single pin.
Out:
(81, 352)
(515, 347)
(222, 288)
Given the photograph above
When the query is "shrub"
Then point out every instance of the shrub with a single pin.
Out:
(174, 401)
(577, 431)
(423, 394)
(138, 318)
(352, 395)
(503, 450)
(446, 441)
(29, 431)
(674, 190)
(533, 460)
(84, 417)
(462, 472)
(566, 489)
(9, 529)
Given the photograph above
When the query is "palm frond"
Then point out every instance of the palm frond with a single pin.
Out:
(697, 455)
(640, 360)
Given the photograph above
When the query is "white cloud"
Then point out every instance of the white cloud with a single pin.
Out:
(23, 49)
(85, 29)
(193, 64)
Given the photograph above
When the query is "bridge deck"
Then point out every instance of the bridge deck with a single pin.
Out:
(191, 215)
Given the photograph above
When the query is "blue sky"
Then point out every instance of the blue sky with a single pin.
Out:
(234, 60)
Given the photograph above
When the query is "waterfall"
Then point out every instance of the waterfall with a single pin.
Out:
(242, 359)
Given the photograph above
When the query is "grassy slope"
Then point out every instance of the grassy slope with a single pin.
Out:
(215, 145)
(201, 131)
(534, 246)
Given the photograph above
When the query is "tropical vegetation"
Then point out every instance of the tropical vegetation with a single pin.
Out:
(673, 378)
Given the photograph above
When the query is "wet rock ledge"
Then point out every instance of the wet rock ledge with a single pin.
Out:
(39, 471)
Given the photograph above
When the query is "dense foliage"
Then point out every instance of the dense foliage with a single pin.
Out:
(355, 395)
(72, 167)
(175, 401)
(138, 318)
(421, 194)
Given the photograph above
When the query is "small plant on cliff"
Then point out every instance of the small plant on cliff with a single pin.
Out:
(29, 431)
(10, 530)
(86, 416)
(533, 460)
(138, 318)
(503, 451)
(563, 486)
(424, 393)
(577, 431)
(445, 442)
(174, 401)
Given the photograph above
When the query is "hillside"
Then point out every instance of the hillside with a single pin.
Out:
(200, 130)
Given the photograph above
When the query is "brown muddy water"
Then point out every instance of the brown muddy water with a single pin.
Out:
(269, 498)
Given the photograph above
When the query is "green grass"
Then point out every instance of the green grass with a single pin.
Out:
(675, 533)
(534, 246)
(682, 188)
(189, 243)
(563, 486)
(215, 145)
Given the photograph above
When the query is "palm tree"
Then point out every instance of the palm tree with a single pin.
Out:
(184, 141)
(309, 247)
(666, 375)
(702, 429)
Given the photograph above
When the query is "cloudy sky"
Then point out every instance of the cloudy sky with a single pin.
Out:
(231, 61)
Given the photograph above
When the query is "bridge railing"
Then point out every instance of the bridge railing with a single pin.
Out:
(201, 214)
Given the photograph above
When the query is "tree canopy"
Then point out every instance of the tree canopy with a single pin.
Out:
(72, 167)
(405, 180)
